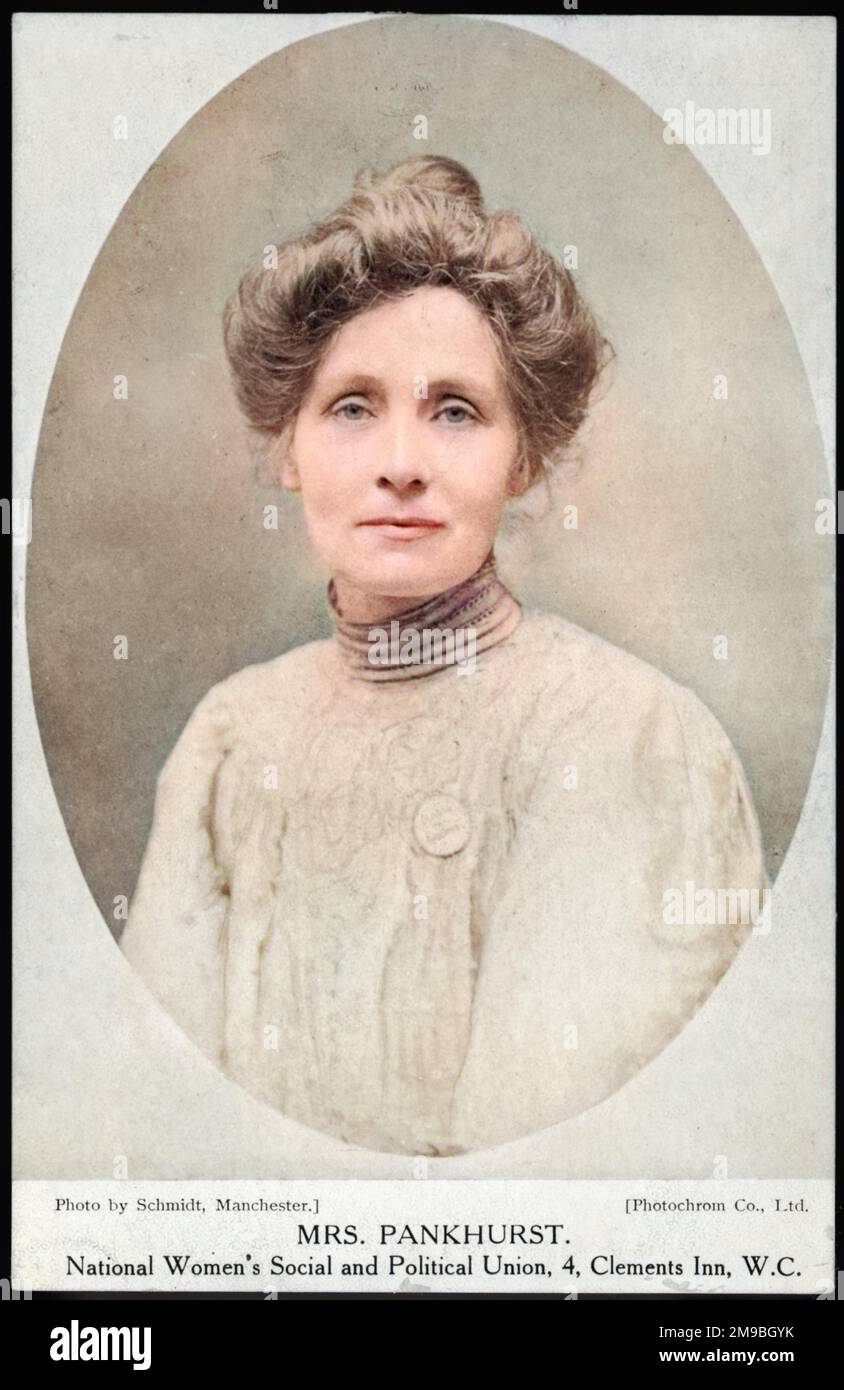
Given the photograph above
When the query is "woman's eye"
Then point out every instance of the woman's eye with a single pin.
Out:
(456, 414)
(350, 410)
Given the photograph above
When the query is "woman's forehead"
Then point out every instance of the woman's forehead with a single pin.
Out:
(434, 332)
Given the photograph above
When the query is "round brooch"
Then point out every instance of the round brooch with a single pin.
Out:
(441, 826)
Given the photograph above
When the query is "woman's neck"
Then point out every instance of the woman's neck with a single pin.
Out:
(361, 606)
(420, 636)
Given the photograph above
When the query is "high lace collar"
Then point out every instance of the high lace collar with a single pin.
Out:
(449, 629)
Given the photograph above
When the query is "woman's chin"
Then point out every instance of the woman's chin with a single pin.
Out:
(412, 570)
(404, 575)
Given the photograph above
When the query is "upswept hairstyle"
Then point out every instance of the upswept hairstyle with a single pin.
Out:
(422, 223)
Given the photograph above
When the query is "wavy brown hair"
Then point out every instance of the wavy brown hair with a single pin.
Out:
(423, 222)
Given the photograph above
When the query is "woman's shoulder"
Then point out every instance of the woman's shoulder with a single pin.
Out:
(635, 727)
(600, 684)
(585, 658)
(249, 702)
(284, 676)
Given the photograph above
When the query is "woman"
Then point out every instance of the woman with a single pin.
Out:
(409, 885)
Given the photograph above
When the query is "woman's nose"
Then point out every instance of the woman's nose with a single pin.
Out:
(403, 464)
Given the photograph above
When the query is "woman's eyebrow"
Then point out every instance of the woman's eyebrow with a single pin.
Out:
(364, 382)
(352, 383)
(469, 387)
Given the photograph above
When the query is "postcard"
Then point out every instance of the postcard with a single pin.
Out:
(423, 530)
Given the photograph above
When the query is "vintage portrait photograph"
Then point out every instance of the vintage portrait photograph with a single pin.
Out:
(427, 621)
(345, 897)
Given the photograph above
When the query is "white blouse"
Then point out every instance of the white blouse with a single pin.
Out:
(429, 915)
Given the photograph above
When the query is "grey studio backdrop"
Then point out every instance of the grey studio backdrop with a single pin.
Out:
(696, 515)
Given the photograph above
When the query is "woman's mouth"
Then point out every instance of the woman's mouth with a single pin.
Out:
(406, 528)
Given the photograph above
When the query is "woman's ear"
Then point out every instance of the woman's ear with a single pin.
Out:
(519, 480)
(286, 470)
(289, 474)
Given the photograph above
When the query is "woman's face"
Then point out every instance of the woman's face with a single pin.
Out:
(404, 450)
